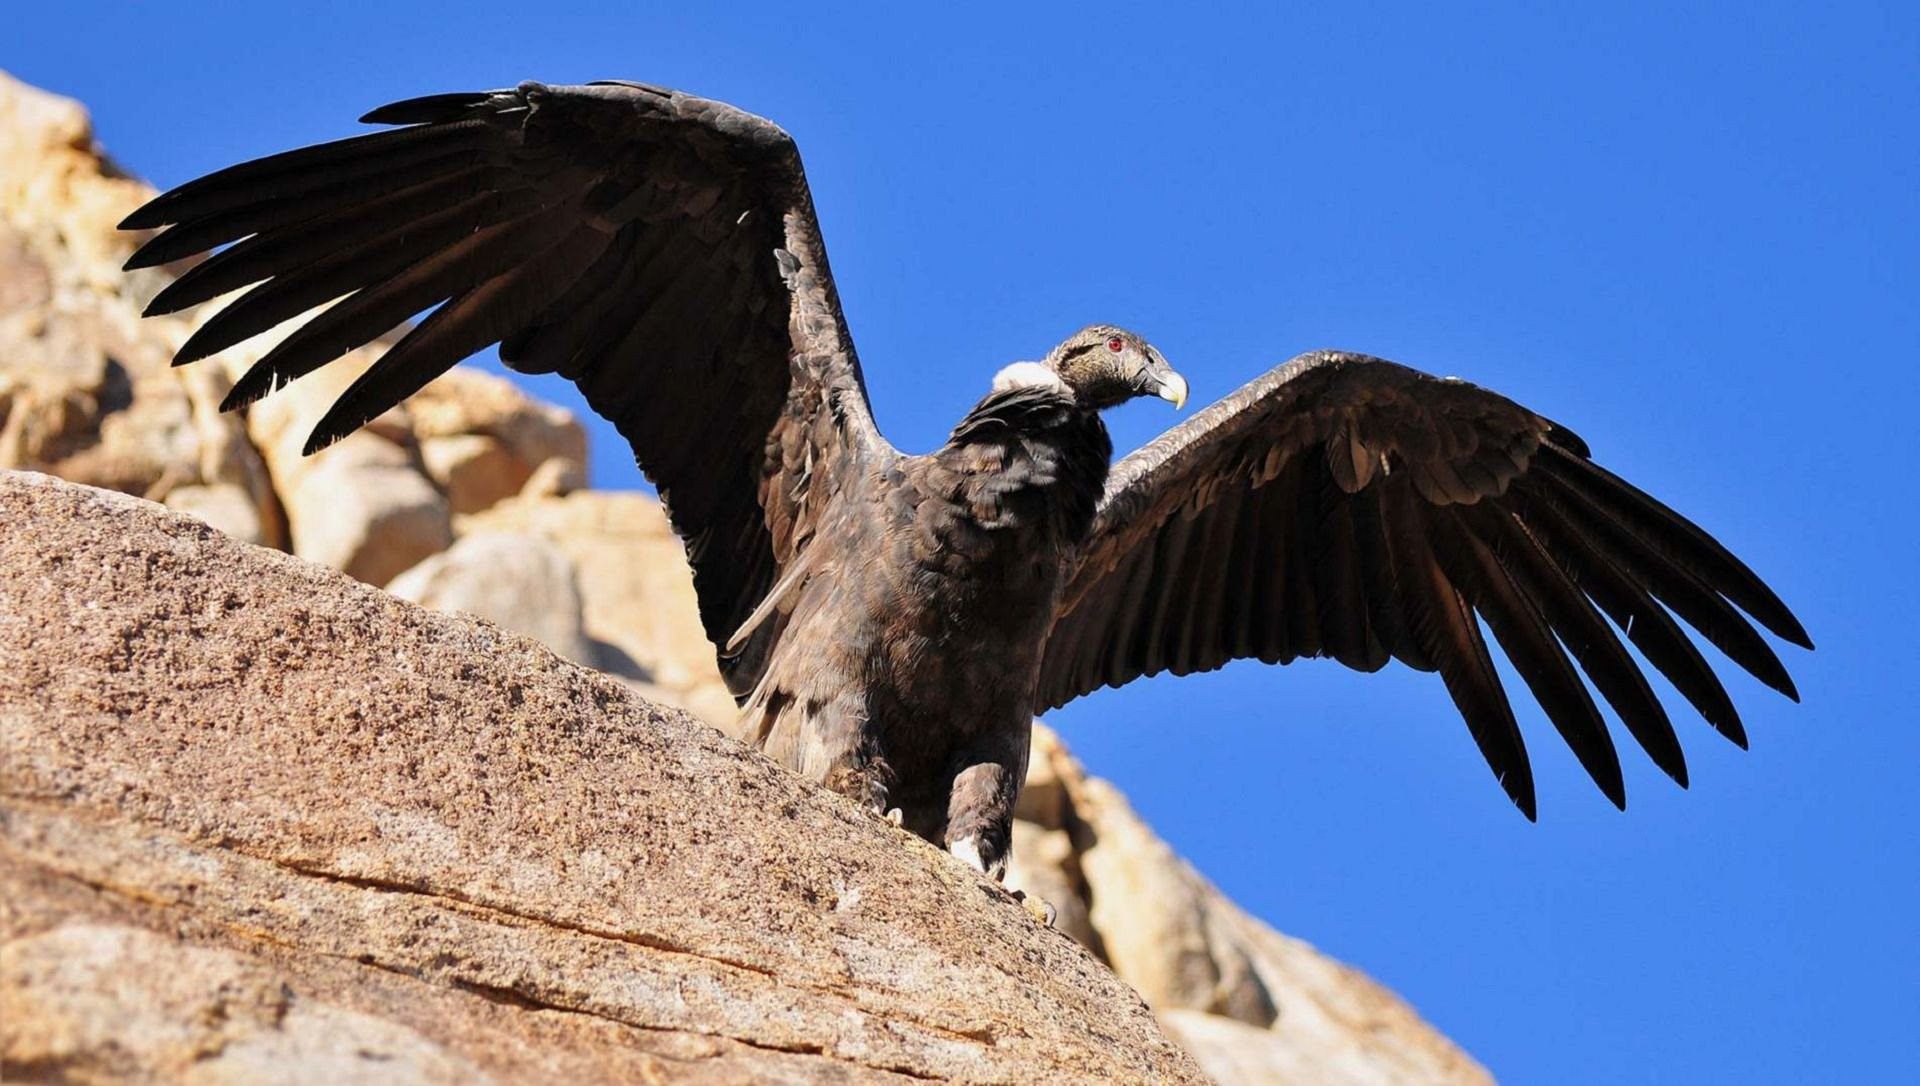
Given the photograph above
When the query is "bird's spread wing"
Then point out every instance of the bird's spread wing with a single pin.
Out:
(1348, 507)
(659, 250)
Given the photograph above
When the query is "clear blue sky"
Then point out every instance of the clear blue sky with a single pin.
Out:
(1692, 237)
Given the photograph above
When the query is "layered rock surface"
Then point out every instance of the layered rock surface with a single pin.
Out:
(469, 498)
(261, 812)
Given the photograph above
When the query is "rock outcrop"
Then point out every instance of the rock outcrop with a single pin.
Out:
(85, 388)
(257, 813)
(86, 391)
(470, 498)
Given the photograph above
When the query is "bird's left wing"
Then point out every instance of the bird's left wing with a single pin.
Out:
(1347, 507)
(658, 249)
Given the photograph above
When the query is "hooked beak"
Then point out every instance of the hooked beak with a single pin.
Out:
(1173, 389)
(1167, 384)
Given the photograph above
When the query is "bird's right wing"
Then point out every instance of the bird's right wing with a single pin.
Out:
(1348, 507)
(657, 249)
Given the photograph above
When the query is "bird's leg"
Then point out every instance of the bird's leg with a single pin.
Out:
(868, 782)
(842, 751)
(980, 808)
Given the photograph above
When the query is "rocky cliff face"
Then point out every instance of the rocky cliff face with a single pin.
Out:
(255, 811)
(384, 859)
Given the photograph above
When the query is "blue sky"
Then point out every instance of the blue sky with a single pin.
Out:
(1693, 237)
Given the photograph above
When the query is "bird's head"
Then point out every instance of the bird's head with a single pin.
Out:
(1104, 366)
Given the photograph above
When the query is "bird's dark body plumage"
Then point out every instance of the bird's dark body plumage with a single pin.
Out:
(889, 622)
(922, 699)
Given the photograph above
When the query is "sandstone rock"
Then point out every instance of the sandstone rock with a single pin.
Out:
(1044, 799)
(521, 582)
(256, 812)
(556, 478)
(53, 176)
(87, 391)
(1153, 915)
(1046, 865)
(363, 505)
(1233, 1051)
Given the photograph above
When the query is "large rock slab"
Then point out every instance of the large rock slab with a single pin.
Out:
(259, 817)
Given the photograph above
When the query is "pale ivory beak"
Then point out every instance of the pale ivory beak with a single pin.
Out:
(1173, 389)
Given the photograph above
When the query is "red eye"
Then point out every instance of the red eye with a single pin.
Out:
(1116, 344)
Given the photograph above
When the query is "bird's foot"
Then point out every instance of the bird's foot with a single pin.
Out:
(896, 816)
(1037, 907)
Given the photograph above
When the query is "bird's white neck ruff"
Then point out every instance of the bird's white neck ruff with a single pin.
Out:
(1027, 375)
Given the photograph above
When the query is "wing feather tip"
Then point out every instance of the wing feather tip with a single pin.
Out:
(193, 352)
(327, 432)
(1613, 785)
(169, 301)
(1726, 720)
(1524, 800)
(1795, 633)
(246, 392)
(146, 256)
(148, 216)
(1777, 679)
(1518, 786)
(426, 109)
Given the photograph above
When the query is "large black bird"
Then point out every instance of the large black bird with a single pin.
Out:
(891, 623)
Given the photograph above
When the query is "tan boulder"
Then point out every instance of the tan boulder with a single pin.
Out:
(472, 470)
(522, 582)
(482, 439)
(225, 506)
(364, 507)
(87, 391)
(637, 593)
(256, 812)
(1046, 864)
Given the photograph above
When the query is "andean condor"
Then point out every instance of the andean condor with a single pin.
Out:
(890, 623)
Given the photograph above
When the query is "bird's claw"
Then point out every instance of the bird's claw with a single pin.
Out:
(1039, 908)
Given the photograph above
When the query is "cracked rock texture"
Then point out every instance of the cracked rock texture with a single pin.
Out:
(260, 818)
(470, 497)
